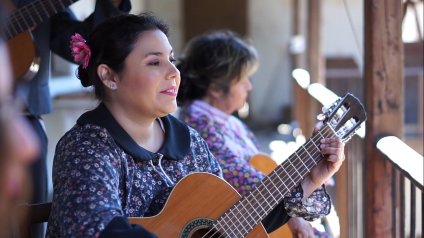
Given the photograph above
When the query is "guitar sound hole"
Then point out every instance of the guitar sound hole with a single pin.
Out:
(204, 233)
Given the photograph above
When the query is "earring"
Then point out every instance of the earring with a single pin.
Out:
(112, 86)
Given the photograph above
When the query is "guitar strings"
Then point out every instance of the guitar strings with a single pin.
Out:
(18, 19)
(277, 186)
(261, 203)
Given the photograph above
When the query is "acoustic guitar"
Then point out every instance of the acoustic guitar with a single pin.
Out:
(204, 205)
(22, 50)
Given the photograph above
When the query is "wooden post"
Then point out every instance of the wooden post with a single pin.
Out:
(299, 109)
(316, 62)
(383, 87)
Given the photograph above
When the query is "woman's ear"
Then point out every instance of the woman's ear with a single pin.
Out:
(107, 76)
(215, 91)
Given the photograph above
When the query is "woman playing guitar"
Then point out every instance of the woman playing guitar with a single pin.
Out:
(123, 159)
(215, 70)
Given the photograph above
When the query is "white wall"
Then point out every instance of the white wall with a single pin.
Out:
(270, 29)
(338, 36)
(172, 12)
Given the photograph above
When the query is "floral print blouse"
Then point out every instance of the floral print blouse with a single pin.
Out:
(233, 144)
(101, 174)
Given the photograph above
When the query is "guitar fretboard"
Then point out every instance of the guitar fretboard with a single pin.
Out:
(252, 208)
(31, 15)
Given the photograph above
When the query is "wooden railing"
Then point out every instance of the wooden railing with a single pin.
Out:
(410, 165)
(348, 195)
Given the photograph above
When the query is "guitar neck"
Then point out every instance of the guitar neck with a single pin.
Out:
(31, 15)
(251, 209)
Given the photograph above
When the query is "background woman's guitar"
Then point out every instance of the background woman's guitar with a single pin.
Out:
(22, 49)
(204, 205)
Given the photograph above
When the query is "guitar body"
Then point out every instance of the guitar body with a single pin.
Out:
(195, 202)
(23, 55)
(23, 52)
(266, 165)
(201, 200)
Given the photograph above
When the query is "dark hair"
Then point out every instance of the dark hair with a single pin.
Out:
(112, 41)
(219, 58)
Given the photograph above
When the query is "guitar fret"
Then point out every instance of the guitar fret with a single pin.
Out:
(294, 183)
(40, 7)
(295, 168)
(283, 183)
(63, 6)
(260, 217)
(244, 218)
(45, 10)
(302, 161)
(237, 221)
(24, 21)
(222, 229)
(322, 137)
(30, 15)
(263, 197)
(259, 204)
(315, 144)
(270, 193)
(229, 227)
(10, 35)
(309, 154)
(278, 189)
(54, 8)
(17, 23)
(36, 11)
(13, 26)
(242, 215)
(226, 230)
(241, 203)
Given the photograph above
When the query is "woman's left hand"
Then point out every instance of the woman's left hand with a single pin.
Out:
(333, 149)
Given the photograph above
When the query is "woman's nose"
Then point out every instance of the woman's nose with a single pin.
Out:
(173, 72)
(248, 85)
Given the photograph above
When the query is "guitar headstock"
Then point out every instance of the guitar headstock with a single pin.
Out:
(345, 116)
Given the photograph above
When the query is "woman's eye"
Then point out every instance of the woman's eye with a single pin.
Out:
(172, 60)
(155, 63)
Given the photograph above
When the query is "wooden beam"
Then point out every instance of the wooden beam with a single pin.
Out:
(299, 108)
(315, 58)
(383, 86)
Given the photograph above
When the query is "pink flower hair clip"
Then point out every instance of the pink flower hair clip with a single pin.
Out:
(80, 50)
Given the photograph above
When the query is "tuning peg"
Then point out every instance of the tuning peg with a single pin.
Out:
(321, 117)
(324, 110)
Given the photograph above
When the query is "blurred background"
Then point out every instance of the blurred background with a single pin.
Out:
(324, 37)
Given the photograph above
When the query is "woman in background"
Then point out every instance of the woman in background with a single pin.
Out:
(215, 70)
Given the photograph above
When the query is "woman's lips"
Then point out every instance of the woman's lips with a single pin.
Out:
(170, 91)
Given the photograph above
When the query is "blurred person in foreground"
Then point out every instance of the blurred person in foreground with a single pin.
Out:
(18, 146)
(52, 35)
(215, 70)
